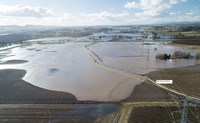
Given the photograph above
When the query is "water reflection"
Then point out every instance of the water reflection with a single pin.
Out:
(70, 69)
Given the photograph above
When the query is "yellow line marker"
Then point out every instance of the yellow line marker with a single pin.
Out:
(111, 69)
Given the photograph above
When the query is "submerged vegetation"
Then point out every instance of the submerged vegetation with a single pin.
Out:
(180, 55)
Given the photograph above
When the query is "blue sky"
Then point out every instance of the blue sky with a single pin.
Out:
(101, 12)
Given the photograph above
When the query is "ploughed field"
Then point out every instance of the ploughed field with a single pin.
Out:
(187, 42)
(56, 113)
(161, 114)
(186, 80)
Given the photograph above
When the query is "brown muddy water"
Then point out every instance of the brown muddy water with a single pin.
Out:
(138, 58)
(69, 69)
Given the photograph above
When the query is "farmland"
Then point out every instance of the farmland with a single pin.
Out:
(97, 78)
(185, 80)
(178, 32)
(160, 114)
(45, 113)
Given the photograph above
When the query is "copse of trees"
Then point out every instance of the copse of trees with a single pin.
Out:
(163, 56)
(177, 55)
(181, 55)
(198, 56)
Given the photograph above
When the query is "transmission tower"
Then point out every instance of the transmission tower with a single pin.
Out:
(184, 113)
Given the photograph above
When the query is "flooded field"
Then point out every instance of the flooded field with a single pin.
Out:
(139, 58)
(68, 68)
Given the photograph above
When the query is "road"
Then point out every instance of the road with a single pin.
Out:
(130, 75)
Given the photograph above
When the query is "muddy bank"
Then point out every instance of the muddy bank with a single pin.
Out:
(15, 90)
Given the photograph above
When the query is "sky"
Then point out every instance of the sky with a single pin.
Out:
(101, 12)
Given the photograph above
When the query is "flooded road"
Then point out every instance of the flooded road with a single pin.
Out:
(68, 68)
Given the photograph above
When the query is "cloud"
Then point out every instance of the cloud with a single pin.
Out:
(131, 5)
(189, 13)
(148, 12)
(105, 16)
(24, 11)
(152, 8)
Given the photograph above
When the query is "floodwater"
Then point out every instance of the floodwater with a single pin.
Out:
(135, 57)
(68, 68)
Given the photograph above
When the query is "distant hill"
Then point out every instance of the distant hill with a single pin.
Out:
(13, 33)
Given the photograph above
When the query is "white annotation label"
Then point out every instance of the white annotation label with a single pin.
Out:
(164, 81)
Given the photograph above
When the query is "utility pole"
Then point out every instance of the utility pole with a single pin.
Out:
(148, 54)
